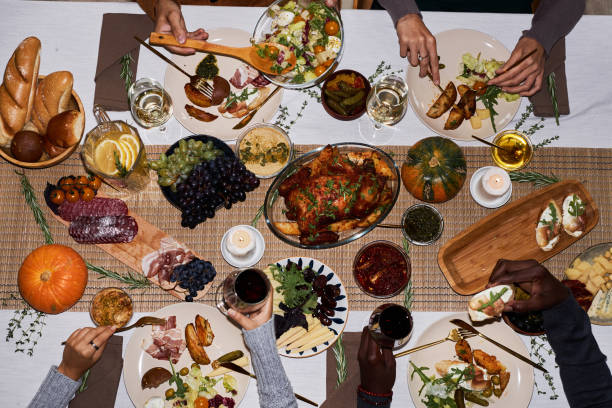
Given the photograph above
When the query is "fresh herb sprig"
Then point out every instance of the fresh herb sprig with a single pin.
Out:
(489, 100)
(132, 280)
(126, 73)
(524, 116)
(233, 98)
(181, 390)
(32, 202)
(540, 349)
(551, 85)
(84, 378)
(25, 328)
(545, 142)
(120, 167)
(341, 367)
(494, 297)
(554, 218)
(537, 179)
(576, 206)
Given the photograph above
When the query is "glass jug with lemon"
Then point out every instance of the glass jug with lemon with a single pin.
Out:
(114, 151)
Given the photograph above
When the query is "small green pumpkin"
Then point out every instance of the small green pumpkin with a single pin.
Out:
(435, 170)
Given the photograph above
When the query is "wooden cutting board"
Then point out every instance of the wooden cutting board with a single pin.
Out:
(147, 240)
(467, 260)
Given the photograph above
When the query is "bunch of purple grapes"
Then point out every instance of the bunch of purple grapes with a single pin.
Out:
(193, 276)
(222, 181)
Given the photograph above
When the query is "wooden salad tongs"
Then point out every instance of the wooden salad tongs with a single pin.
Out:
(249, 55)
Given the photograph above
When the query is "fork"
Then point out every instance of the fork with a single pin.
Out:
(454, 335)
(143, 321)
(197, 81)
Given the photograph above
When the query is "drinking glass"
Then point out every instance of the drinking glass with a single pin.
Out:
(244, 290)
(386, 105)
(150, 104)
(114, 151)
(390, 325)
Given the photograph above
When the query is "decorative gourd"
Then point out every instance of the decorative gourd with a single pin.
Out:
(435, 170)
(52, 278)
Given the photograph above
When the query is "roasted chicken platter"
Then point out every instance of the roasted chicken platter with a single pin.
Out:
(335, 192)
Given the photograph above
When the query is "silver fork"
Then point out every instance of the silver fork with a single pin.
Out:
(454, 335)
(143, 321)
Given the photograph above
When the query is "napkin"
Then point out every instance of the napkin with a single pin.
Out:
(103, 379)
(346, 394)
(542, 105)
(116, 40)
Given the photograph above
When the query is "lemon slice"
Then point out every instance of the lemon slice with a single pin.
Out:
(104, 156)
(128, 160)
(131, 140)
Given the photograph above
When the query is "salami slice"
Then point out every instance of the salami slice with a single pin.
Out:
(109, 229)
(99, 206)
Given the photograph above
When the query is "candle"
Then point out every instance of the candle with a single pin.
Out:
(240, 242)
(496, 181)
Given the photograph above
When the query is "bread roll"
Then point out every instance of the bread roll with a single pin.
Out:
(51, 149)
(52, 97)
(65, 129)
(17, 90)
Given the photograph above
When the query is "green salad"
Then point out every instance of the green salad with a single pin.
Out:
(476, 69)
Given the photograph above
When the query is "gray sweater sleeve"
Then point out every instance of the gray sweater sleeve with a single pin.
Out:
(273, 385)
(56, 391)
(553, 20)
(399, 8)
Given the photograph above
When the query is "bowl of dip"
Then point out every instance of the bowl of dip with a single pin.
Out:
(422, 224)
(381, 269)
(264, 149)
(111, 306)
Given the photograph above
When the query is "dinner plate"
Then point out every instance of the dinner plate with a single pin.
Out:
(174, 83)
(422, 93)
(227, 338)
(341, 315)
(519, 389)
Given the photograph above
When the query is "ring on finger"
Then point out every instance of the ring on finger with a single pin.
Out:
(94, 345)
(423, 58)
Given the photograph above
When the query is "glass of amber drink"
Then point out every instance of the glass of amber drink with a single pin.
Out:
(114, 151)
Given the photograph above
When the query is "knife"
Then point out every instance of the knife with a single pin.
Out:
(248, 117)
(238, 369)
(467, 326)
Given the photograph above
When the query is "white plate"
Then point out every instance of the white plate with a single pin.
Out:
(519, 389)
(480, 196)
(247, 260)
(137, 362)
(422, 93)
(341, 316)
(174, 83)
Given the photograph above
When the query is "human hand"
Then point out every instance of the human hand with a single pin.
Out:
(376, 365)
(546, 291)
(333, 3)
(170, 20)
(526, 78)
(417, 43)
(255, 319)
(80, 354)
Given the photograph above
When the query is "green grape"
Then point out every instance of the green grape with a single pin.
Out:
(188, 168)
(154, 165)
(193, 160)
(163, 158)
(209, 145)
(164, 173)
(190, 143)
(209, 155)
(173, 187)
(197, 145)
(183, 146)
(164, 181)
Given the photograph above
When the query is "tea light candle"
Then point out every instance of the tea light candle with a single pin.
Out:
(240, 242)
(495, 181)
(242, 246)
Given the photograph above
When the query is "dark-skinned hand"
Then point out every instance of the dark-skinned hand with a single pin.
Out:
(170, 20)
(376, 365)
(418, 45)
(526, 78)
(546, 291)
(79, 354)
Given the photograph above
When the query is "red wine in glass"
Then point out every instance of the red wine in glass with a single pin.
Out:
(250, 286)
(391, 325)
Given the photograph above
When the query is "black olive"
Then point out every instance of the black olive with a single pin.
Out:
(332, 291)
(325, 321)
(329, 302)
(309, 275)
(327, 311)
(319, 283)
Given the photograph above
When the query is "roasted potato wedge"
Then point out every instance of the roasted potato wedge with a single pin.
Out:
(289, 228)
(204, 331)
(455, 118)
(197, 352)
(199, 114)
(468, 103)
(196, 97)
(444, 101)
(462, 89)
(504, 379)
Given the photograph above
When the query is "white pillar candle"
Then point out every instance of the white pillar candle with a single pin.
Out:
(240, 242)
(496, 181)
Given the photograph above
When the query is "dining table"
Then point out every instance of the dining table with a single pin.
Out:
(70, 34)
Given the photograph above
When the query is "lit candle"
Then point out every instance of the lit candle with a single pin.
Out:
(496, 181)
(240, 242)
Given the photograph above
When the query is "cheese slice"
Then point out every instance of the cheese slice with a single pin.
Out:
(316, 341)
(290, 336)
(307, 338)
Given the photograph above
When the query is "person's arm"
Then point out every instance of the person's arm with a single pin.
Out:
(376, 371)
(584, 373)
(56, 391)
(148, 6)
(554, 19)
(399, 8)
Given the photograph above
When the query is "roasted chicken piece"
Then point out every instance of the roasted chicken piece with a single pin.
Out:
(489, 362)
(464, 351)
(444, 101)
(196, 350)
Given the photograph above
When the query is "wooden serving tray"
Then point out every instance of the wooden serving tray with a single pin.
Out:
(468, 259)
(147, 240)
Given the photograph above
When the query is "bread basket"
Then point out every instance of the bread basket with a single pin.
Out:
(45, 161)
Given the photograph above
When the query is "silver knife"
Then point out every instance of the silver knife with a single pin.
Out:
(238, 369)
(467, 326)
(248, 117)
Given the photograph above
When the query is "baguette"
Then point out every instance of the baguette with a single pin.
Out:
(548, 230)
(18, 88)
(52, 97)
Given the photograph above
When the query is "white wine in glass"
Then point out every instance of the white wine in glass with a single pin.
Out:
(386, 105)
(150, 104)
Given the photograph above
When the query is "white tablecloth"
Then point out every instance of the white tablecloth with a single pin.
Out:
(70, 35)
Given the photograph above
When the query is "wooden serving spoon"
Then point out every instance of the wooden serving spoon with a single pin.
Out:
(245, 54)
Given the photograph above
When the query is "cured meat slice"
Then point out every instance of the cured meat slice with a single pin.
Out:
(260, 82)
(167, 341)
(109, 229)
(99, 206)
(243, 76)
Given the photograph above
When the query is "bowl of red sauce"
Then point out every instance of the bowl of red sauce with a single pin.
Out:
(381, 269)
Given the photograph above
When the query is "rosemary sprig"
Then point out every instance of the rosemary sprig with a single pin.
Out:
(126, 73)
(260, 211)
(341, 368)
(84, 378)
(132, 280)
(552, 91)
(537, 179)
(30, 198)
(120, 167)
(408, 296)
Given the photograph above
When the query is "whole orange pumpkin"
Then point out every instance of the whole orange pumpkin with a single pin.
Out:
(52, 278)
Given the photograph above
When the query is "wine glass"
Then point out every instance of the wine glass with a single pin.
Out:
(244, 290)
(386, 105)
(150, 104)
(390, 325)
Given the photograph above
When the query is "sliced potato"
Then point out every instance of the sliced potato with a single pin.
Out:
(475, 122)
(483, 113)
(289, 228)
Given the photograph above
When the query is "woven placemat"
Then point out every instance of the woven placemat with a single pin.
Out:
(20, 234)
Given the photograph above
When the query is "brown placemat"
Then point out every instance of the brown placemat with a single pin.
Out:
(344, 396)
(20, 234)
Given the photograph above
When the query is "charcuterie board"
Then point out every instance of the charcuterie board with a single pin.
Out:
(148, 241)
